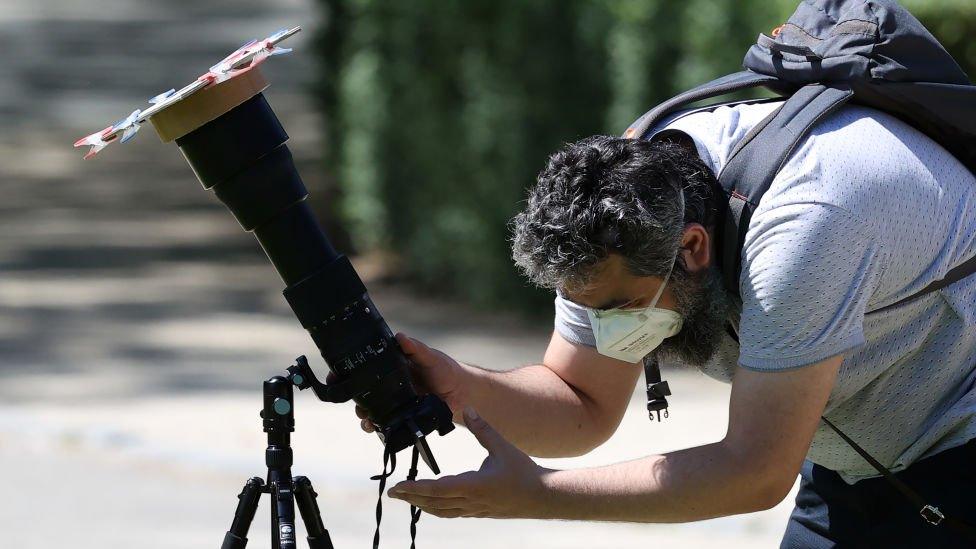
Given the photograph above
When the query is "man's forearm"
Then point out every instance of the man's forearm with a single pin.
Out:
(687, 485)
(534, 409)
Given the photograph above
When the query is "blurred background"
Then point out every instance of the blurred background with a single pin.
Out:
(137, 320)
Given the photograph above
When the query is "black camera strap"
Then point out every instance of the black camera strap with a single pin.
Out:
(658, 390)
(930, 513)
(389, 458)
(414, 511)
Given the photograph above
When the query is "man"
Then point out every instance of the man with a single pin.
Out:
(866, 211)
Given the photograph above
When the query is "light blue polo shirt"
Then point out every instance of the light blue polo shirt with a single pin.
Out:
(865, 212)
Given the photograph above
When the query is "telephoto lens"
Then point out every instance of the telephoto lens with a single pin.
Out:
(235, 144)
(242, 157)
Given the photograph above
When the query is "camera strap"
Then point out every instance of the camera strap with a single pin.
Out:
(389, 458)
(930, 513)
(414, 511)
(657, 390)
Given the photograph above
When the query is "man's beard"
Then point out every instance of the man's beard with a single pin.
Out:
(704, 305)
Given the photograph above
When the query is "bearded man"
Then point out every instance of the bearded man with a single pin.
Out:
(866, 211)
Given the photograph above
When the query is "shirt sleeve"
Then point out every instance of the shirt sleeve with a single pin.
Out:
(808, 272)
(573, 323)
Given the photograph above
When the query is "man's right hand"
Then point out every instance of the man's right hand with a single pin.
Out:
(432, 372)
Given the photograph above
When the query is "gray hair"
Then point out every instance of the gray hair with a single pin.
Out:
(605, 195)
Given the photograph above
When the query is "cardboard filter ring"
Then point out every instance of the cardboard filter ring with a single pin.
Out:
(208, 104)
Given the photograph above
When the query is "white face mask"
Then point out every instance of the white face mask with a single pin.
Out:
(629, 334)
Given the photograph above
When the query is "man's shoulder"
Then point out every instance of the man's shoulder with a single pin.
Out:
(852, 129)
(871, 164)
(716, 131)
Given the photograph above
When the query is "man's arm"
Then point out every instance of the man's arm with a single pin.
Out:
(773, 416)
(772, 419)
(566, 406)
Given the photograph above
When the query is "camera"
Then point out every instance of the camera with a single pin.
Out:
(236, 147)
(242, 157)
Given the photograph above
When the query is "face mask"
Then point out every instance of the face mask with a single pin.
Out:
(629, 335)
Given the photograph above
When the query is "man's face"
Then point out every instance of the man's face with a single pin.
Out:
(614, 287)
(699, 298)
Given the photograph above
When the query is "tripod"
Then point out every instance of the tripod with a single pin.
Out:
(279, 421)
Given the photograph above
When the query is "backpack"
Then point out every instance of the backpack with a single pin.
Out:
(829, 53)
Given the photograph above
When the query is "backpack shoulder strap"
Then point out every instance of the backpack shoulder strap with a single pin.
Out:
(721, 86)
(754, 163)
(758, 157)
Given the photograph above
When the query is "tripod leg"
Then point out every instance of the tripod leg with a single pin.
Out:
(236, 537)
(318, 536)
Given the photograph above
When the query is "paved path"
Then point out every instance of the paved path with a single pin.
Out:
(137, 320)
(163, 472)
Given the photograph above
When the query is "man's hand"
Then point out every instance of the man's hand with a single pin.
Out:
(772, 419)
(508, 484)
(432, 372)
(575, 397)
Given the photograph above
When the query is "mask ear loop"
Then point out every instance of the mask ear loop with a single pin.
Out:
(660, 290)
(657, 389)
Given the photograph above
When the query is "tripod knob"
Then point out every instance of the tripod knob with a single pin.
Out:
(281, 406)
(278, 458)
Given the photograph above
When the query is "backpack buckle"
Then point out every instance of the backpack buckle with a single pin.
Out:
(931, 514)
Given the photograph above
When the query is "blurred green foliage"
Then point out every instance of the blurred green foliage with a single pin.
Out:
(439, 113)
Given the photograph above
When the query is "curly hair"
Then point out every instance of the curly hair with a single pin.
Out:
(603, 195)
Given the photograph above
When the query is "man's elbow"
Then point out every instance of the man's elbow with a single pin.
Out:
(771, 487)
(767, 499)
(599, 432)
(600, 425)
(590, 431)
(580, 443)
(761, 483)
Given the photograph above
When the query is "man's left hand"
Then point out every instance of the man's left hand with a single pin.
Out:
(508, 484)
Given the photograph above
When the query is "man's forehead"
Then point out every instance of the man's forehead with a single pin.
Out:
(600, 278)
(610, 285)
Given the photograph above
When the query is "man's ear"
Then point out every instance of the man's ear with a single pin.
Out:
(695, 248)
(678, 137)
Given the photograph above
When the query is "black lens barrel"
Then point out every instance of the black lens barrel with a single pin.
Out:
(243, 158)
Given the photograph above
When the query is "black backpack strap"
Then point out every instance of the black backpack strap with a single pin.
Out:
(758, 157)
(720, 86)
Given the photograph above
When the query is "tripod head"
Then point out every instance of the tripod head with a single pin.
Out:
(278, 418)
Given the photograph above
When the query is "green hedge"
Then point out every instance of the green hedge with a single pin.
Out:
(440, 113)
